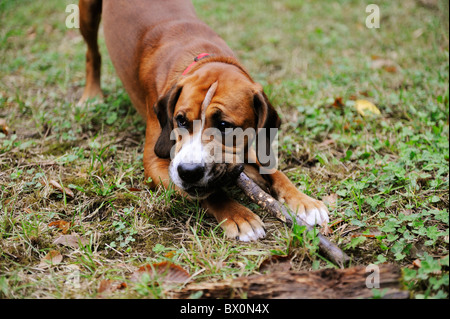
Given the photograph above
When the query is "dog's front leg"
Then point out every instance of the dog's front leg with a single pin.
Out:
(237, 221)
(310, 210)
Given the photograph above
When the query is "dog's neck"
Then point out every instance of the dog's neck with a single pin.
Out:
(205, 58)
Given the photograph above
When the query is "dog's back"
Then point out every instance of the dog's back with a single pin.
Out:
(170, 25)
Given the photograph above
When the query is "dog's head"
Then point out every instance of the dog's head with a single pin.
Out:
(208, 120)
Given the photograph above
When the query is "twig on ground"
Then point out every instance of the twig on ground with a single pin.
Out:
(274, 207)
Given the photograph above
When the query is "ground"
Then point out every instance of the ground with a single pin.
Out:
(68, 170)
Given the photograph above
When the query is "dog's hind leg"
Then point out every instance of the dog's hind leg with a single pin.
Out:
(90, 15)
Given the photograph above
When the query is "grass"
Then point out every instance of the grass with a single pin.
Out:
(389, 173)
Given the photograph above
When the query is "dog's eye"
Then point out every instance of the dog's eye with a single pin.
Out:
(222, 126)
(181, 120)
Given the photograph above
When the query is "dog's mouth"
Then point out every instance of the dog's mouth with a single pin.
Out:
(219, 176)
(198, 192)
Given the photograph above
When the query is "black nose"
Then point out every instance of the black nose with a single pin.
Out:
(191, 173)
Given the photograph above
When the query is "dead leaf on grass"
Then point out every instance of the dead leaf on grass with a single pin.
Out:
(61, 224)
(326, 230)
(385, 64)
(166, 271)
(275, 263)
(109, 286)
(365, 108)
(330, 200)
(326, 143)
(52, 258)
(73, 241)
(417, 263)
(4, 127)
(62, 189)
(338, 104)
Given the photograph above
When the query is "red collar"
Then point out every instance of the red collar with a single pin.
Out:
(196, 59)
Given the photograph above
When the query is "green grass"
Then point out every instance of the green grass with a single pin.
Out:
(390, 172)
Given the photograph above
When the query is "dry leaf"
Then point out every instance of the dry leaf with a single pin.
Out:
(3, 127)
(365, 107)
(330, 201)
(326, 230)
(166, 271)
(338, 221)
(52, 258)
(363, 235)
(385, 64)
(73, 241)
(276, 263)
(134, 189)
(108, 286)
(338, 104)
(170, 254)
(417, 263)
(58, 186)
(61, 224)
(346, 126)
(326, 143)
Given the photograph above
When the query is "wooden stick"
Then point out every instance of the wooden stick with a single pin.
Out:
(274, 207)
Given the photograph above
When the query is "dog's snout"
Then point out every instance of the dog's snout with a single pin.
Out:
(191, 173)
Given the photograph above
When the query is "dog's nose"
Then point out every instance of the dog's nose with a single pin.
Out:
(191, 173)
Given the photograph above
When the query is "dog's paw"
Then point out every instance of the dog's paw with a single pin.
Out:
(92, 96)
(243, 225)
(312, 211)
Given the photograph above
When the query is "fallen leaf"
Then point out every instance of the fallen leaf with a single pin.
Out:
(108, 286)
(330, 200)
(58, 186)
(31, 33)
(61, 224)
(338, 104)
(363, 235)
(417, 263)
(73, 241)
(3, 127)
(105, 286)
(336, 222)
(170, 254)
(365, 107)
(326, 230)
(165, 271)
(385, 64)
(364, 93)
(417, 33)
(326, 143)
(134, 189)
(53, 257)
(275, 263)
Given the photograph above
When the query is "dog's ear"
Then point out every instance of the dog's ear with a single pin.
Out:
(267, 118)
(164, 109)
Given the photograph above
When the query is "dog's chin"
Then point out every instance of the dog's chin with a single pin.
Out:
(197, 192)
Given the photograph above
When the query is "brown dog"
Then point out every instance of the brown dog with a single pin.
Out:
(152, 45)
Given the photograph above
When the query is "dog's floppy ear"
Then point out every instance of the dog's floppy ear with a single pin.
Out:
(164, 109)
(267, 118)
